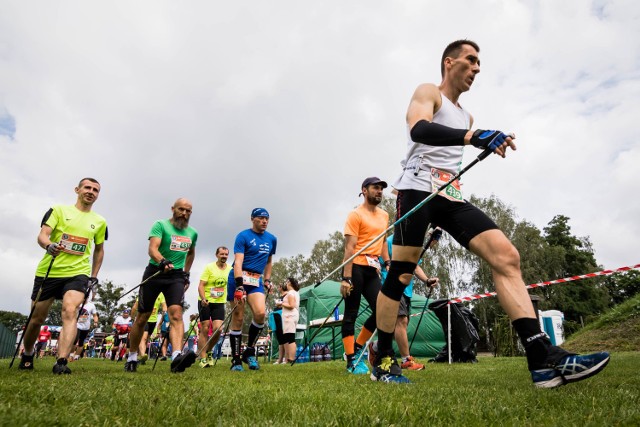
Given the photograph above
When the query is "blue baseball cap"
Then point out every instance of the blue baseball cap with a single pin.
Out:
(259, 212)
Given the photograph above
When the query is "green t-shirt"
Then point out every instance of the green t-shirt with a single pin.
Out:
(215, 288)
(76, 231)
(175, 243)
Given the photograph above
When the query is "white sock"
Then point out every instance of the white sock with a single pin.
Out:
(133, 357)
(29, 353)
(174, 355)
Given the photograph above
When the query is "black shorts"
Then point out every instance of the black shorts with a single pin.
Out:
(81, 336)
(463, 221)
(170, 284)
(289, 338)
(150, 327)
(117, 340)
(55, 287)
(41, 345)
(211, 311)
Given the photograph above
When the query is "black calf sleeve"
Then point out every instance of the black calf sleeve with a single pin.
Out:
(393, 287)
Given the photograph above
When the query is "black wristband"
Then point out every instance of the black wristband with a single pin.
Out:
(347, 279)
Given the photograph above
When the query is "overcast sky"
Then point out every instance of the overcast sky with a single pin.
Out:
(289, 105)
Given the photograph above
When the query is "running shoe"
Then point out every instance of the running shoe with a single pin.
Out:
(183, 361)
(249, 357)
(61, 367)
(131, 366)
(411, 364)
(387, 370)
(26, 362)
(236, 365)
(163, 359)
(205, 363)
(359, 367)
(143, 359)
(572, 368)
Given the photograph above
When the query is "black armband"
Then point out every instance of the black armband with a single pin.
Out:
(436, 134)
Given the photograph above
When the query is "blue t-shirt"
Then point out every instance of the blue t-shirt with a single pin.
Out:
(257, 248)
(408, 291)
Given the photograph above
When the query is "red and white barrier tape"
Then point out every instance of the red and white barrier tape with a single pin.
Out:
(551, 282)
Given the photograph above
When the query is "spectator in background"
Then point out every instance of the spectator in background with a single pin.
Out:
(290, 317)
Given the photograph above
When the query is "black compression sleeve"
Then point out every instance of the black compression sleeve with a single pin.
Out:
(430, 133)
(46, 216)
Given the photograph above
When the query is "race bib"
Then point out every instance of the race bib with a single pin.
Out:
(217, 292)
(373, 261)
(180, 243)
(122, 336)
(73, 245)
(440, 178)
(83, 318)
(250, 279)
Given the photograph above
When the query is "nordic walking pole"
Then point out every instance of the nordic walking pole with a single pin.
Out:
(224, 334)
(421, 316)
(434, 236)
(142, 283)
(457, 176)
(33, 308)
(318, 330)
(160, 350)
(366, 346)
(84, 302)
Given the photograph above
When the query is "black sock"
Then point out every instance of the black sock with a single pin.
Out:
(540, 352)
(385, 343)
(254, 332)
(234, 340)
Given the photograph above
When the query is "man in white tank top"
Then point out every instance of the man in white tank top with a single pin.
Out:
(439, 128)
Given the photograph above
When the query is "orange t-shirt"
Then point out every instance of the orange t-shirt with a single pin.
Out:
(366, 225)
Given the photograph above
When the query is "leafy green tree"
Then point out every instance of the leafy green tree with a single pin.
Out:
(13, 320)
(579, 300)
(107, 301)
(623, 286)
(54, 317)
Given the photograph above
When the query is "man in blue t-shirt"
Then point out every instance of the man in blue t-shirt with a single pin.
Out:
(251, 273)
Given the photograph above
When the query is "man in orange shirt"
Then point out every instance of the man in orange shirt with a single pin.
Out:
(361, 276)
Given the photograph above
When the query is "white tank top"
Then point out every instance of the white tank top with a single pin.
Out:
(416, 173)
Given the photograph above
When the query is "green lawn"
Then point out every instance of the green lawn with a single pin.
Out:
(496, 391)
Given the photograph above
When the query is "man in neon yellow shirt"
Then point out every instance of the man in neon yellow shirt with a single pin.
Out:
(160, 306)
(212, 295)
(67, 233)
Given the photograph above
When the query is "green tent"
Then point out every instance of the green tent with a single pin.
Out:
(317, 302)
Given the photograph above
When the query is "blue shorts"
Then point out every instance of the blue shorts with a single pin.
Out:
(231, 287)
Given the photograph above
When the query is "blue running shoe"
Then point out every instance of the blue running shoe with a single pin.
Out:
(570, 369)
(236, 365)
(253, 363)
(358, 366)
(385, 371)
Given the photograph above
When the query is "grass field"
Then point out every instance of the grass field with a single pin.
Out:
(496, 391)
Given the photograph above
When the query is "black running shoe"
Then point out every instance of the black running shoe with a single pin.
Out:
(26, 362)
(183, 361)
(61, 367)
(131, 366)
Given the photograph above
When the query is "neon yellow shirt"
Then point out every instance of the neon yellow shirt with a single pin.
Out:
(76, 231)
(215, 288)
(157, 306)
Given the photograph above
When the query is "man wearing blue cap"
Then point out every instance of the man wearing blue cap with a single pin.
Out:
(251, 273)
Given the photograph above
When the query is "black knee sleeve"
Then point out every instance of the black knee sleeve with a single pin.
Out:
(393, 287)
